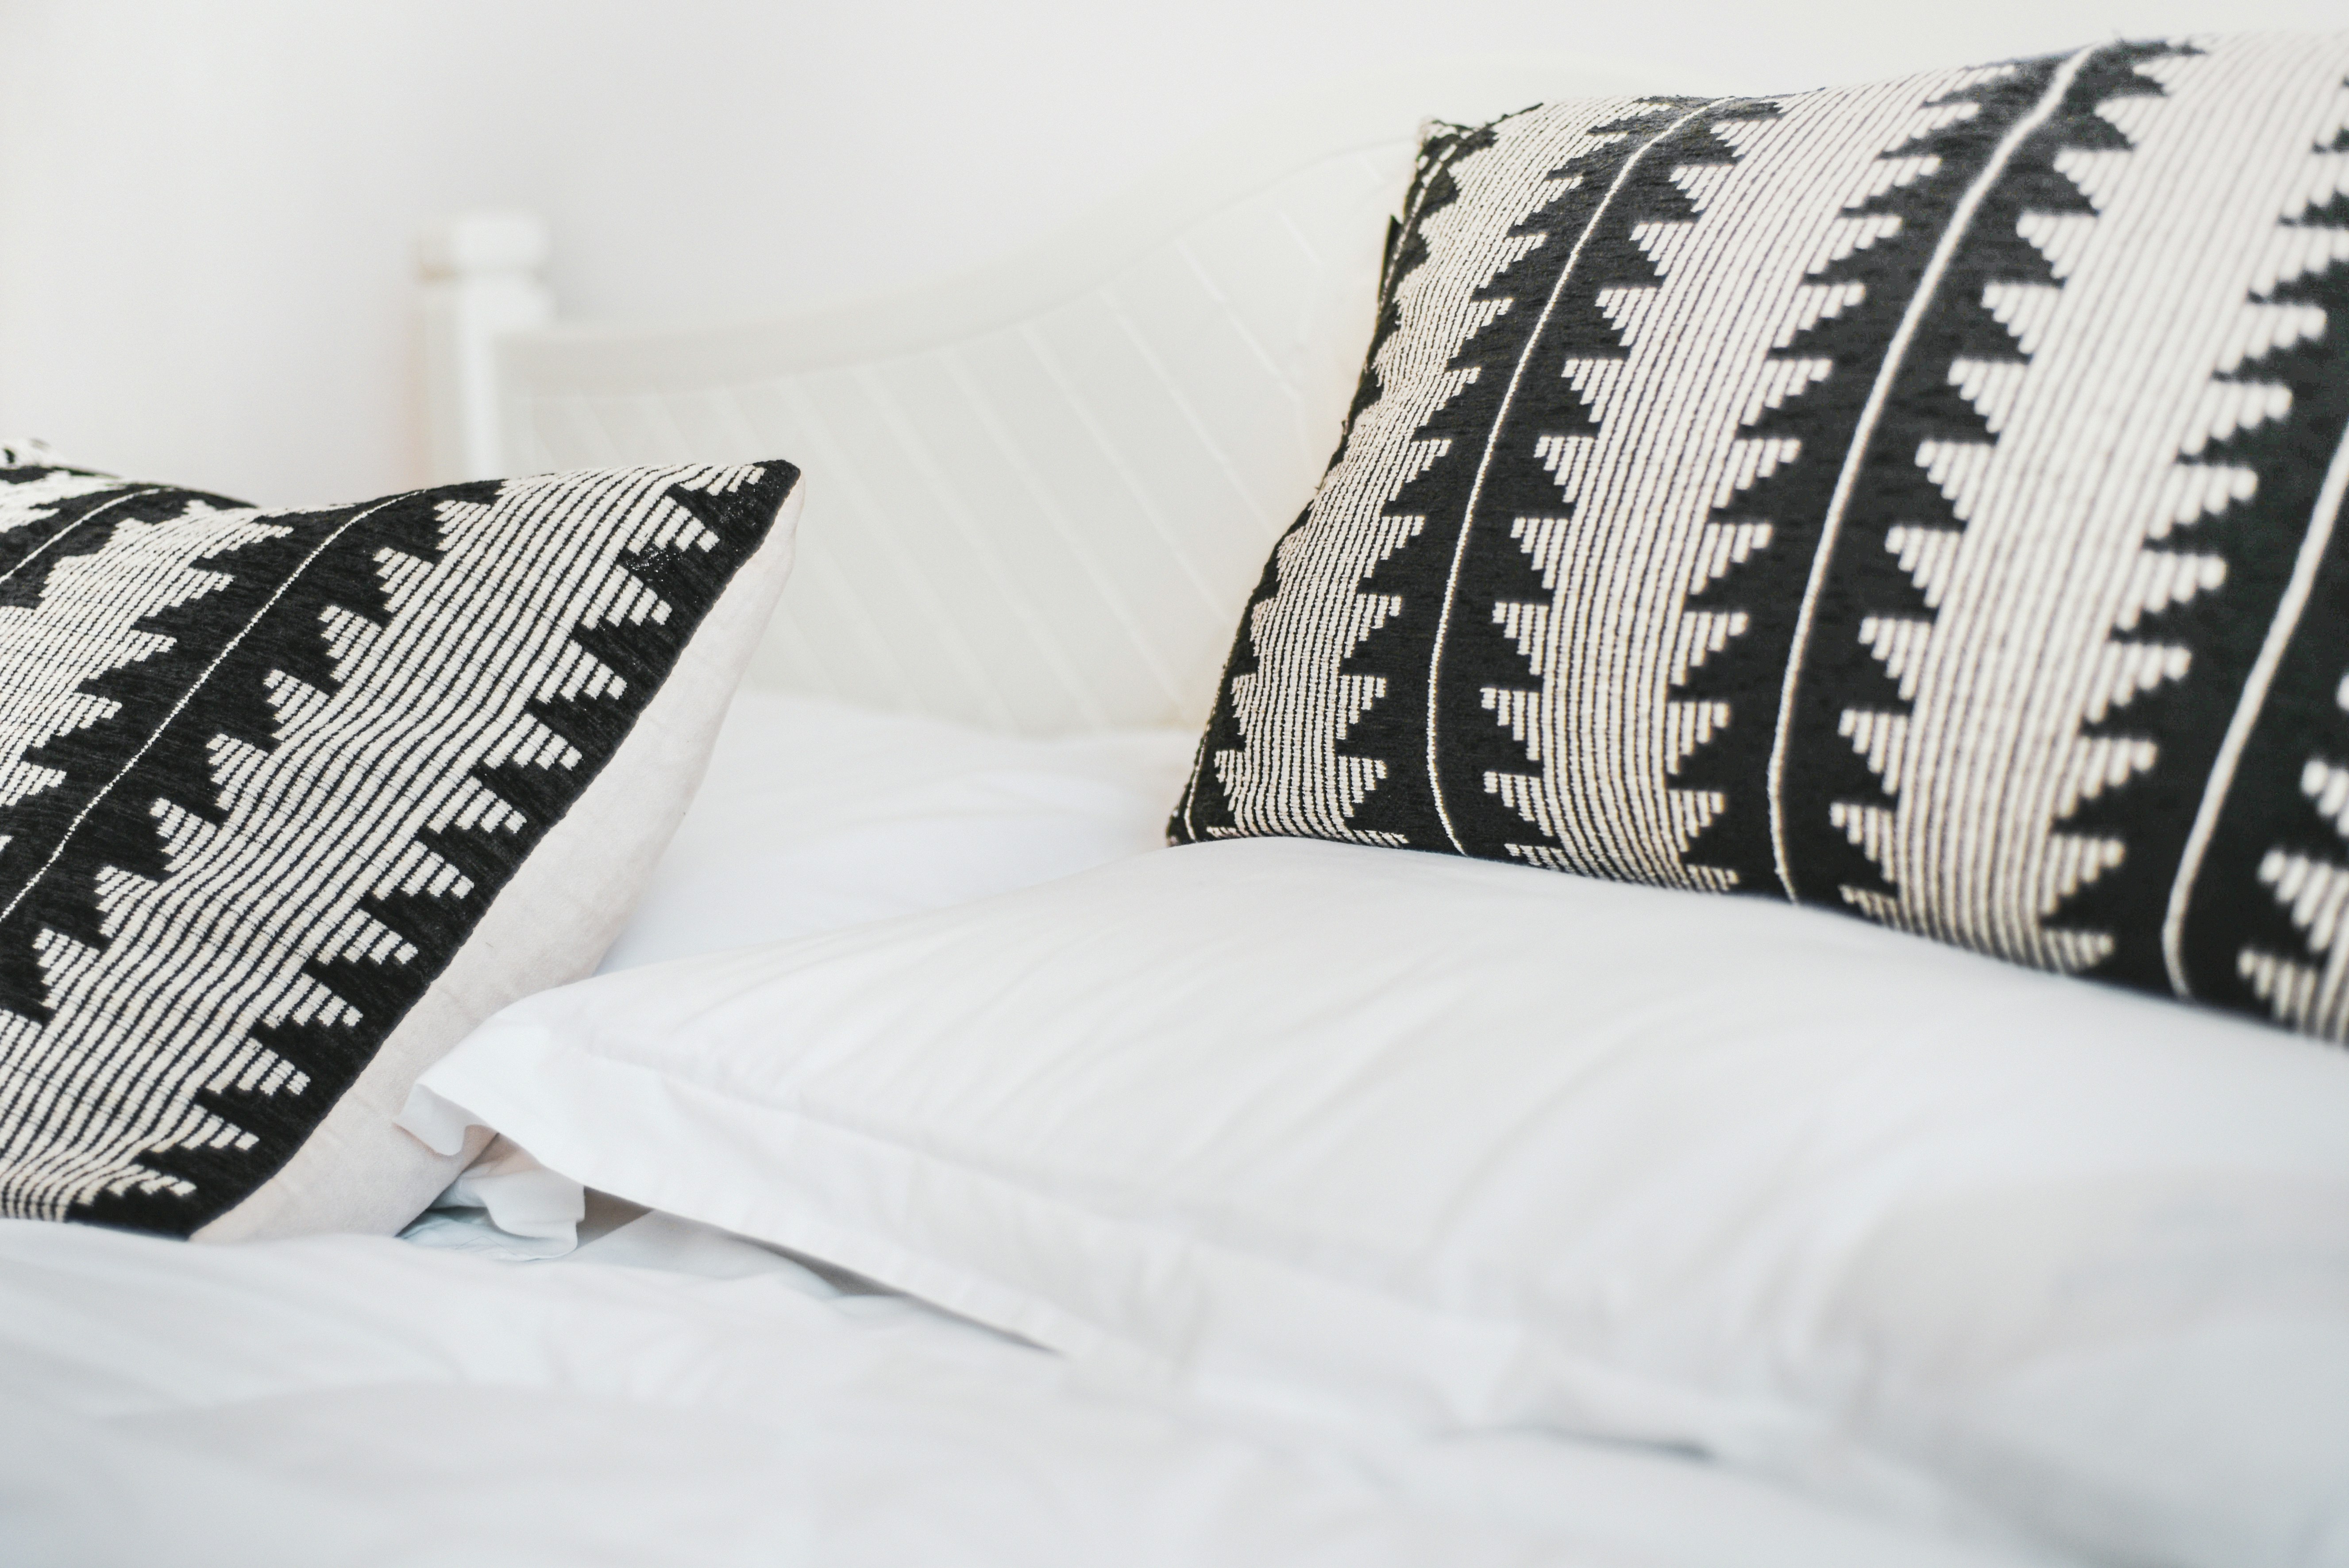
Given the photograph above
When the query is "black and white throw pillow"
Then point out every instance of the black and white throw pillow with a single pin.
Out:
(1922, 499)
(289, 800)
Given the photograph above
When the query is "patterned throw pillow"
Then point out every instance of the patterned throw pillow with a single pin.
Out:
(289, 800)
(1921, 499)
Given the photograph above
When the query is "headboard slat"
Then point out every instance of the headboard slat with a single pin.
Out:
(1038, 495)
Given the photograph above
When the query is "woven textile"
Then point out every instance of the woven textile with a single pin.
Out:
(265, 776)
(1921, 499)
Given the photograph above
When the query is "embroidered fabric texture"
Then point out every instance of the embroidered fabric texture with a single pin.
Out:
(262, 775)
(1921, 500)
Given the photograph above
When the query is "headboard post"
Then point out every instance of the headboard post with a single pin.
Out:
(482, 281)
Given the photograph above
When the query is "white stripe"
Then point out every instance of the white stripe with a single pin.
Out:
(2313, 546)
(1492, 437)
(1928, 283)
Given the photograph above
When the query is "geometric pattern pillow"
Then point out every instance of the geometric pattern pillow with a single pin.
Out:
(1922, 500)
(289, 800)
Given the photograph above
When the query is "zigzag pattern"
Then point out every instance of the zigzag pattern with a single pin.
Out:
(270, 771)
(1869, 261)
(1223, 748)
(1951, 399)
(1580, 223)
(1317, 713)
(1505, 592)
(1918, 500)
(2263, 929)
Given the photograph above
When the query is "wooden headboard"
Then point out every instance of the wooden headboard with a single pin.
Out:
(1038, 493)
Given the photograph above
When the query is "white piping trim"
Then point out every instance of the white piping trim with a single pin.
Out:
(1492, 437)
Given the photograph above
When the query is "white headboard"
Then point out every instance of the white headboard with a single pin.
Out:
(1037, 494)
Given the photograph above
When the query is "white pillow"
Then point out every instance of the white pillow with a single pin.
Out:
(817, 814)
(1448, 1144)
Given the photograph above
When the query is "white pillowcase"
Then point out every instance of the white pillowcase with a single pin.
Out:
(1449, 1144)
(814, 815)
(817, 814)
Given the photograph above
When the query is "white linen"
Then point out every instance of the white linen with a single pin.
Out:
(815, 814)
(349, 1400)
(506, 1205)
(1452, 1146)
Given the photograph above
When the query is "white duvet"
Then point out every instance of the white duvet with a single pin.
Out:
(670, 1395)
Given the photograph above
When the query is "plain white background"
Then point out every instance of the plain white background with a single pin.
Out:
(208, 207)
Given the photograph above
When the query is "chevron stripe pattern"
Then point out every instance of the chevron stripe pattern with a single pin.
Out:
(1921, 500)
(262, 773)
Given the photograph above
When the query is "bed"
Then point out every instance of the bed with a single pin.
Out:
(1036, 495)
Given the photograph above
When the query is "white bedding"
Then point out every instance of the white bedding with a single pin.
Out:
(670, 1395)
(817, 814)
(814, 815)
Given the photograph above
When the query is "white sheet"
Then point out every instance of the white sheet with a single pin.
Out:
(672, 1395)
(816, 814)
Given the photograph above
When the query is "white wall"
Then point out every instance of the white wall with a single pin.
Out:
(207, 207)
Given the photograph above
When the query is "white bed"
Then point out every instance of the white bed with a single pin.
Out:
(1038, 495)
(669, 1393)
